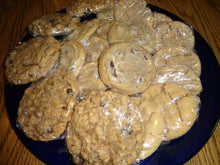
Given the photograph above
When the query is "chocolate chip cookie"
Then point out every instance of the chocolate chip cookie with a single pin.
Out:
(53, 25)
(127, 68)
(32, 60)
(47, 106)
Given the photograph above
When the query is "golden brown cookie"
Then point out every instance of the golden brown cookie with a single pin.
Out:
(94, 46)
(177, 56)
(47, 106)
(180, 74)
(106, 128)
(174, 33)
(53, 25)
(178, 107)
(138, 33)
(32, 60)
(80, 8)
(127, 68)
(83, 31)
(72, 57)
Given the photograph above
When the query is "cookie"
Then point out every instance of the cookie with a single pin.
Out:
(32, 60)
(180, 74)
(106, 128)
(154, 19)
(131, 11)
(53, 25)
(89, 70)
(104, 28)
(47, 106)
(154, 131)
(174, 33)
(177, 56)
(178, 107)
(107, 14)
(83, 31)
(80, 8)
(72, 57)
(87, 84)
(138, 33)
(94, 46)
(126, 68)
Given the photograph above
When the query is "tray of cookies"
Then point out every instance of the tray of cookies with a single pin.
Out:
(112, 82)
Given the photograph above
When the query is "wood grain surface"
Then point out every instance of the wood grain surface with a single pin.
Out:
(15, 15)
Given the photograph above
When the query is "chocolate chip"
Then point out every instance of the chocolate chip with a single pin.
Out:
(69, 91)
(112, 64)
(10, 61)
(63, 107)
(50, 130)
(145, 58)
(51, 21)
(108, 89)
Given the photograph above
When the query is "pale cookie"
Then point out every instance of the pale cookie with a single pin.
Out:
(87, 84)
(83, 31)
(177, 56)
(131, 11)
(104, 28)
(47, 106)
(53, 25)
(89, 70)
(138, 33)
(174, 33)
(155, 131)
(180, 74)
(178, 107)
(80, 8)
(155, 19)
(106, 128)
(94, 46)
(127, 68)
(32, 60)
(72, 57)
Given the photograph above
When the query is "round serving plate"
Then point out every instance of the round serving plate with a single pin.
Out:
(174, 152)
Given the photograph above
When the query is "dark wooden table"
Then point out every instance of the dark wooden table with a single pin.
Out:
(203, 15)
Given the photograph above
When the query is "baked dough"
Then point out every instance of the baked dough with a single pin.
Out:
(106, 128)
(180, 74)
(55, 24)
(178, 107)
(177, 56)
(174, 33)
(126, 68)
(72, 57)
(47, 106)
(32, 60)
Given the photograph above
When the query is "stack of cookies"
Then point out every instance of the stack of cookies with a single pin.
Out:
(114, 86)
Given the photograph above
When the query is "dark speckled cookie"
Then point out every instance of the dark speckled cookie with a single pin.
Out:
(47, 106)
(53, 25)
(32, 60)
